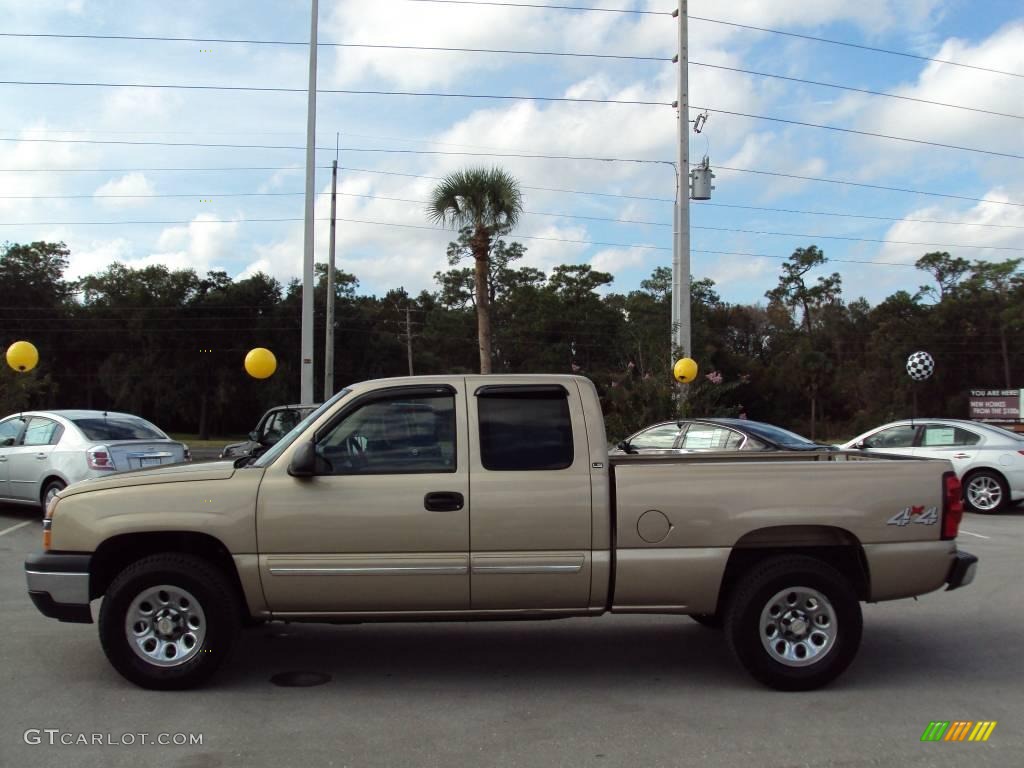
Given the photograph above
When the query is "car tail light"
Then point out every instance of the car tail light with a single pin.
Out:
(99, 457)
(952, 505)
(188, 453)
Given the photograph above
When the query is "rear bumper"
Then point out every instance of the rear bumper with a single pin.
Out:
(58, 584)
(963, 570)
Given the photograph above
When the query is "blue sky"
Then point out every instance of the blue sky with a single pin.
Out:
(195, 232)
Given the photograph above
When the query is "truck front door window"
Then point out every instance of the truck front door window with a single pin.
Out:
(404, 435)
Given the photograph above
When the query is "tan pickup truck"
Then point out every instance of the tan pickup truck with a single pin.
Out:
(494, 497)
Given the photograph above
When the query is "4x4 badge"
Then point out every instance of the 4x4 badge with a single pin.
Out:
(918, 515)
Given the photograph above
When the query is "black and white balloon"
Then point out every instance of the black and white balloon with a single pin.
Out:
(920, 366)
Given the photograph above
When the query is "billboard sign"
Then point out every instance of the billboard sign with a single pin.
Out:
(997, 405)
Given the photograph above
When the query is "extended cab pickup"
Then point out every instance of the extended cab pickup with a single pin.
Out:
(494, 497)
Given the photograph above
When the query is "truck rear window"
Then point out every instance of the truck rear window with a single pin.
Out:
(523, 432)
(117, 428)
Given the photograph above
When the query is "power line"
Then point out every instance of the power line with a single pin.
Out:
(183, 195)
(856, 90)
(847, 183)
(294, 219)
(321, 44)
(546, 5)
(856, 239)
(860, 133)
(784, 258)
(517, 236)
(846, 44)
(859, 216)
(372, 150)
(296, 194)
(756, 171)
(350, 91)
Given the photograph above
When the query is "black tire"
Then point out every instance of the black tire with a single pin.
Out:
(755, 592)
(51, 487)
(709, 620)
(216, 600)
(994, 481)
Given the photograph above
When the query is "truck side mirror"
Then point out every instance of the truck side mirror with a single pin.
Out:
(625, 447)
(860, 445)
(254, 436)
(6, 442)
(303, 463)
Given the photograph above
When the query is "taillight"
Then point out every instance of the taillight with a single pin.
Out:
(188, 453)
(99, 457)
(952, 506)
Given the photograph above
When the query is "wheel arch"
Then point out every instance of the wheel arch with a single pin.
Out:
(118, 552)
(49, 478)
(832, 545)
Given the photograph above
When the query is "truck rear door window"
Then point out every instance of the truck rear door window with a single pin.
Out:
(525, 431)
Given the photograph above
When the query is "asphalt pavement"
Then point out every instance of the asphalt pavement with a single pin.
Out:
(630, 691)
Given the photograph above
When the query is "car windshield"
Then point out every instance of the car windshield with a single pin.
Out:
(117, 427)
(281, 445)
(779, 436)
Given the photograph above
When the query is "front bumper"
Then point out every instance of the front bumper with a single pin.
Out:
(963, 570)
(58, 584)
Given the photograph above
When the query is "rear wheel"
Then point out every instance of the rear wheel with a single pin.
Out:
(169, 621)
(52, 489)
(794, 623)
(986, 492)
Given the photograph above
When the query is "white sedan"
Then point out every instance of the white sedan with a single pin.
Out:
(988, 460)
(43, 452)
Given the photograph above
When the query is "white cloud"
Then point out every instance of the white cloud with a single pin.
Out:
(128, 191)
(1005, 230)
(615, 259)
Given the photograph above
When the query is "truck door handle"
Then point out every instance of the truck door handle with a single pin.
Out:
(40, 455)
(443, 501)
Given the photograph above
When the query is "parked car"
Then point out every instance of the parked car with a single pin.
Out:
(989, 460)
(274, 424)
(688, 435)
(493, 497)
(43, 452)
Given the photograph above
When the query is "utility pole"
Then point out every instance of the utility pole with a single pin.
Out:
(306, 367)
(408, 337)
(681, 340)
(329, 329)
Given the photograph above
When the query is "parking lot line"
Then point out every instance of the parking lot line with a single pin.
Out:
(961, 531)
(5, 531)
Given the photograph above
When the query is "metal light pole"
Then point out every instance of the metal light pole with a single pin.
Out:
(681, 246)
(329, 328)
(306, 368)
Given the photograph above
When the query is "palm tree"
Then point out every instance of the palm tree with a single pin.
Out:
(487, 200)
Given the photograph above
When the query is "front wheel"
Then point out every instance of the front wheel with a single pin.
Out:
(985, 492)
(794, 623)
(169, 621)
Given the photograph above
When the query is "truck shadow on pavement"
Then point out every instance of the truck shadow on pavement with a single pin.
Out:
(546, 656)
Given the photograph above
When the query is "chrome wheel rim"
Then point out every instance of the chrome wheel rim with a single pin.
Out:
(798, 626)
(984, 493)
(50, 494)
(165, 625)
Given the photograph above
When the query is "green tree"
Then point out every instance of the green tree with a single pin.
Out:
(489, 201)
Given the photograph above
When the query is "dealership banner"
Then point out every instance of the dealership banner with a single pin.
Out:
(997, 404)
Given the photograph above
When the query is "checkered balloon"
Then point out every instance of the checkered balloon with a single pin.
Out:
(920, 366)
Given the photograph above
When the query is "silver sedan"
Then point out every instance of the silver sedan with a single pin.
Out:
(43, 452)
(988, 460)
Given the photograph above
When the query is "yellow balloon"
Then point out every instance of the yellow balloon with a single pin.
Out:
(260, 363)
(22, 356)
(685, 370)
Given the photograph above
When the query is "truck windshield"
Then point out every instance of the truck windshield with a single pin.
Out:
(281, 445)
